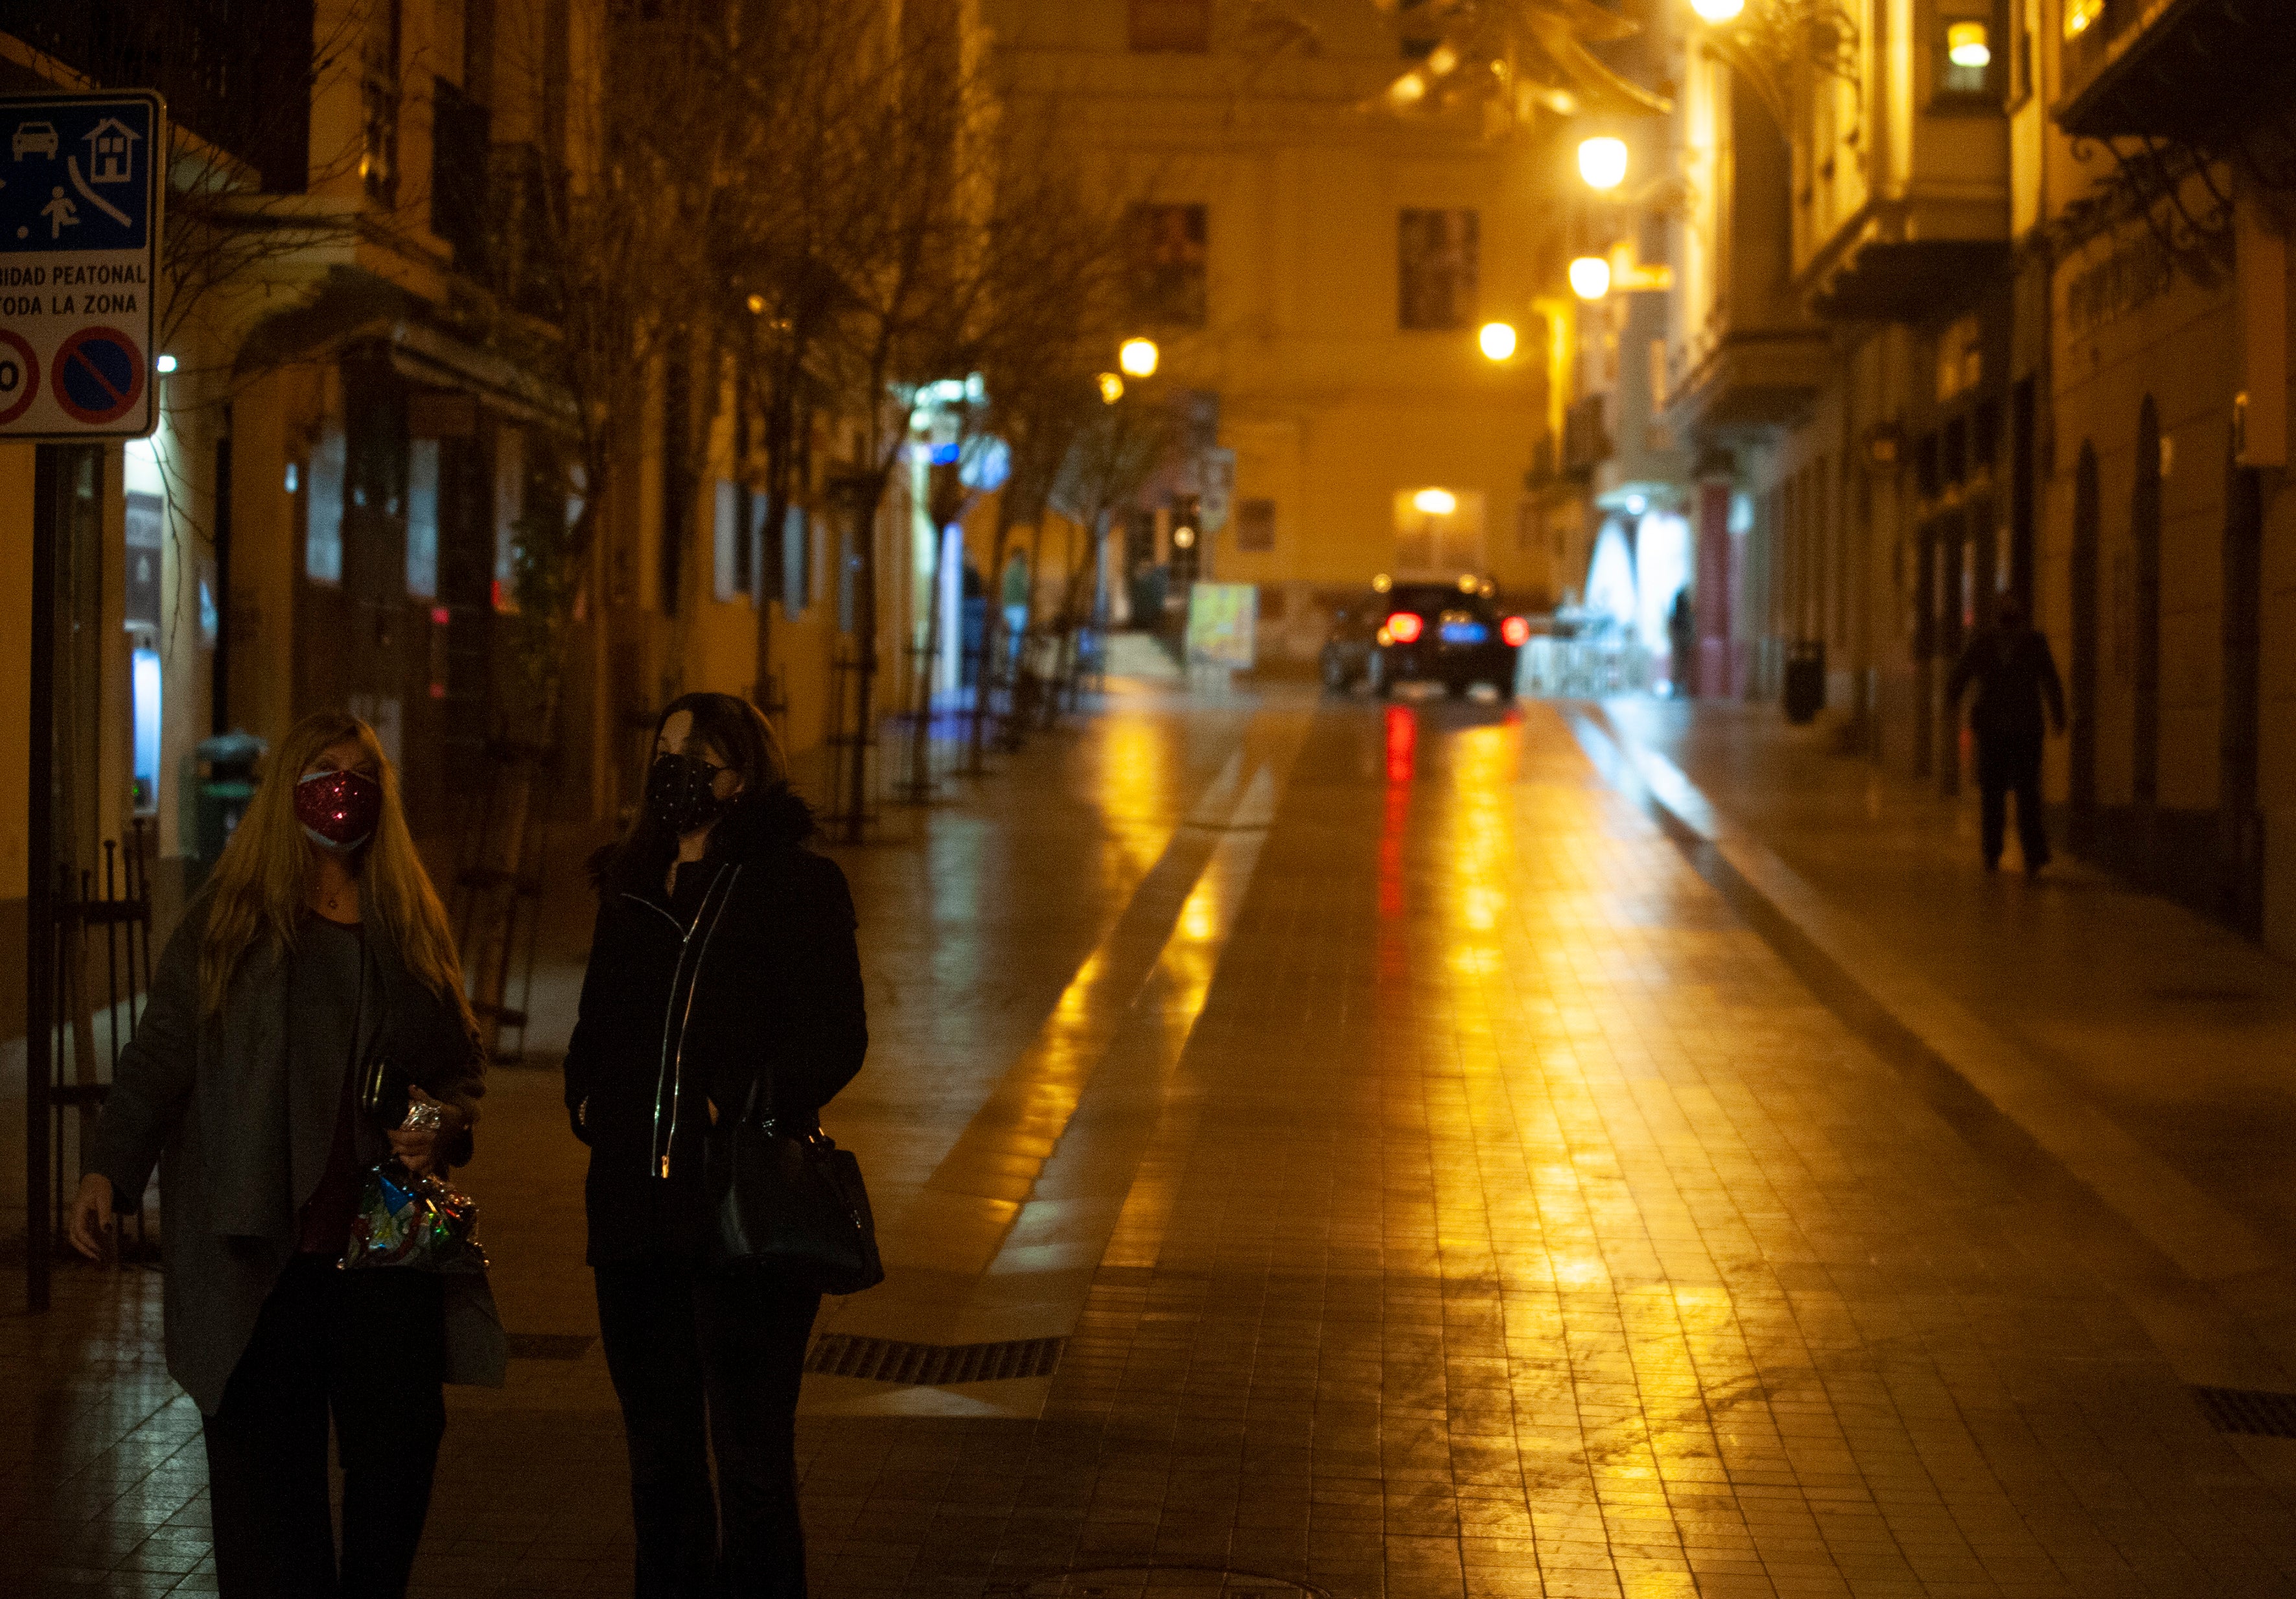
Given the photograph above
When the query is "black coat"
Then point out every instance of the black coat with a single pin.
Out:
(678, 1023)
(2017, 679)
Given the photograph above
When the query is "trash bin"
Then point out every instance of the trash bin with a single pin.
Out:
(226, 782)
(1805, 694)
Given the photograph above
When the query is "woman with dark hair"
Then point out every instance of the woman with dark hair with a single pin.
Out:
(309, 997)
(723, 974)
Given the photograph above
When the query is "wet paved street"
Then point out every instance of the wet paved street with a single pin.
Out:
(1400, 1157)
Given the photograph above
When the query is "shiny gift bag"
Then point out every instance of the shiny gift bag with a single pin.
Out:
(415, 1222)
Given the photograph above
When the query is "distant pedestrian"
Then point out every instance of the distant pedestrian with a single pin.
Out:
(724, 966)
(2016, 680)
(1682, 643)
(311, 993)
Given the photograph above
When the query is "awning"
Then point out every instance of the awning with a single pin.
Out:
(353, 308)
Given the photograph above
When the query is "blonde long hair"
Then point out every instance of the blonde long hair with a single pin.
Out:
(260, 885)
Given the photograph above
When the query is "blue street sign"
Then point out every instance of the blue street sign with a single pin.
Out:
(80, 232)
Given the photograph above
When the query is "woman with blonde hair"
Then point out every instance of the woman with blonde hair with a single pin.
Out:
(310, 996)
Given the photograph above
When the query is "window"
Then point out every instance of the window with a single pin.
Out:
(730, 543)
(1167, 252)
(1255, 525)
(1437, 260)
(422, 519)
(1961, 358)
(1417, 30)
(795, 546)
(1964, 63)
(323, 534)
(1177, 26)
(510, 505)
(1439, 531)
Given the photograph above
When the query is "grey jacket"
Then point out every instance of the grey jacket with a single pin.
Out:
(239, 1145)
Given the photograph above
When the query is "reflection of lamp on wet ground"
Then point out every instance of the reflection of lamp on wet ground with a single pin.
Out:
(1111, 389)
(1137, 356)
(1498, 339)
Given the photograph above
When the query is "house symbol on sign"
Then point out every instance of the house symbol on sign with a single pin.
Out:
(110, 156)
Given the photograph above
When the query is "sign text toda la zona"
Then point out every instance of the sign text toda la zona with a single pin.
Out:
(119, 287)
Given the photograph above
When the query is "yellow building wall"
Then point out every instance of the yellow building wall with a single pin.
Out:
(1331, 406)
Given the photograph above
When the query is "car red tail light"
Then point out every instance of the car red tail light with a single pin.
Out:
(1405, 627)
(1516, 631)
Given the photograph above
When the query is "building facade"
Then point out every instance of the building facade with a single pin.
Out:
(1977, 301)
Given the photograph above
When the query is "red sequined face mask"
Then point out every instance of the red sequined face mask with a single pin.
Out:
(337, 809)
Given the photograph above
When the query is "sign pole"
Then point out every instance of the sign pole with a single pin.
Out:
(40, 880)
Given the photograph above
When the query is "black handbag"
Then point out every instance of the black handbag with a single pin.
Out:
(793, 1201)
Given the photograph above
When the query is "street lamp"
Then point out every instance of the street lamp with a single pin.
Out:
(1137, 356)
(1603, 162)
(1590, 277)
(1435, 502)
(1498, 339)
(1718, 11)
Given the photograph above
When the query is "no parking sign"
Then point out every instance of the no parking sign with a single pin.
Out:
(79, 264)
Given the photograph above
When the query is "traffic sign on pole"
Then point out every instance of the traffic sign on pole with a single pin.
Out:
(79, 264)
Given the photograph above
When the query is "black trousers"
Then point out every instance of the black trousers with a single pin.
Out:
(703, 1358)
(368, 1348)
(2007, 765)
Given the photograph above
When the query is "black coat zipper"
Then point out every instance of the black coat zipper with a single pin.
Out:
(669, 1086)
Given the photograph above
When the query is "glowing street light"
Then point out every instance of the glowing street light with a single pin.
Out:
(1603, 162)
(1590, 277)
(1435, 502)
(1111, 389)
(1137, 356)
(1498, 339)
(1718, 11)
(1967, 45)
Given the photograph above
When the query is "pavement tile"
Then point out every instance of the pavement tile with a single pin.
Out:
(1507, 1217)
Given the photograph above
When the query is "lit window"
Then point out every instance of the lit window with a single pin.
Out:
(1965, 60)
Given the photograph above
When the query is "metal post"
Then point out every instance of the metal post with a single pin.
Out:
(39, 917)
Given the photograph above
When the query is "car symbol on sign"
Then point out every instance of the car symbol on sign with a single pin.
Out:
(31, 136)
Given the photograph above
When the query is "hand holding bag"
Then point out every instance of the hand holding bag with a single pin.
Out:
(793, 1201)
(414, 1222)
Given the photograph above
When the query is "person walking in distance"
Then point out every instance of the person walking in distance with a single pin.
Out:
(2016, 680)
(724, 966)
(311, 994)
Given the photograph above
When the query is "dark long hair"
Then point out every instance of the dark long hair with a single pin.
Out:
(739, 736)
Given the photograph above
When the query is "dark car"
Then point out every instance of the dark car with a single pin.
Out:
(1451, 633)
